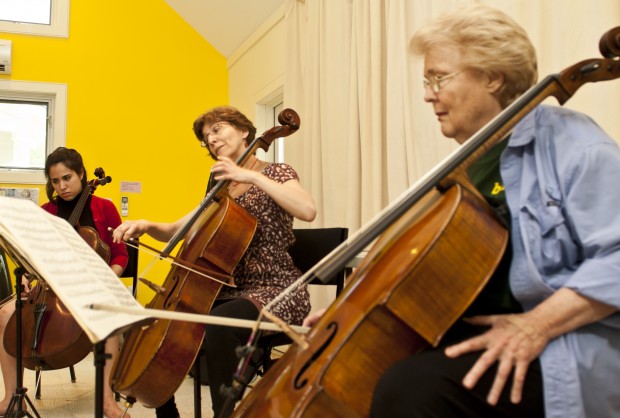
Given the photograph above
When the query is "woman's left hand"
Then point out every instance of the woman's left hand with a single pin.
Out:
(226, 169)
(512, 341)
(289, 195)
(25, 286)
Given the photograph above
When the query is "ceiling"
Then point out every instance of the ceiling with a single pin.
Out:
(225, 24)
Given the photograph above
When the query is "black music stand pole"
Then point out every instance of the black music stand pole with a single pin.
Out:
(100, 359)
(197, 384)
(15, 408)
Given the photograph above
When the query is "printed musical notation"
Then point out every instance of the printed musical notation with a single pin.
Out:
(53, 249)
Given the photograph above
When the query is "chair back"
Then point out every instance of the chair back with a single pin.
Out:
(312, 245)
(132, 266)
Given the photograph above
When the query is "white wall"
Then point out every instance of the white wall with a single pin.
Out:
(256, 70)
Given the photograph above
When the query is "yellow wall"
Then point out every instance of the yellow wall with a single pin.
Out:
(137, 77)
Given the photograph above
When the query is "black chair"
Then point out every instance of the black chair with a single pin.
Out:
(132, 266)
(310, 247)
(131, 270)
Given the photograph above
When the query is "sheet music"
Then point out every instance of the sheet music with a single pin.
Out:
(74, 271)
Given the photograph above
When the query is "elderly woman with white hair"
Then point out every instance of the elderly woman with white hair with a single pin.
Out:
(543, 337)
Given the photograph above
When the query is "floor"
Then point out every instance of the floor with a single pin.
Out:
(62, 399)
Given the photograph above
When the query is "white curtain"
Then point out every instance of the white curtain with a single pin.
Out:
(366, 134)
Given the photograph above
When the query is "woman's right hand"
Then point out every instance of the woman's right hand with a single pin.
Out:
(313, 318)
(129, 229)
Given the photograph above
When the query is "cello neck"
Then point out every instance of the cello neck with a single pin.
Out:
(88, 189)
(79, 207)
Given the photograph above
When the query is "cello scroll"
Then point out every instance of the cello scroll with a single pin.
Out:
(609, 44)
(289, 119)
(592, 70)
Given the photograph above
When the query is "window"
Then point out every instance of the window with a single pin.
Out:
(35, 17)
(267, 111)
(267, 117)
(23, 134)
(32, 124)
(278, 149)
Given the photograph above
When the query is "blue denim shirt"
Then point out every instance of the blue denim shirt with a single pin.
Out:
(562, 178)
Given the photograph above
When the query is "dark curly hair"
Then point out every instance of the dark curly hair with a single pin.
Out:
(69, 157)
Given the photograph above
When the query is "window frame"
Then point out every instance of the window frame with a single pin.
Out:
(58, 27)
(267, 118)
(55, 94)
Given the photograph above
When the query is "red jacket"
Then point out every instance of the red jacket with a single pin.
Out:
(105, 215)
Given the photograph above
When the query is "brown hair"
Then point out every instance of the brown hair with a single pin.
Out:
(226, 114)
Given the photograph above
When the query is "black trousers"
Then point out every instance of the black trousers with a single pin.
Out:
(220, 347)
(428, 384)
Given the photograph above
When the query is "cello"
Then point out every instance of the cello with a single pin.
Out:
(155, 359)
(416, 280)
(66, 343)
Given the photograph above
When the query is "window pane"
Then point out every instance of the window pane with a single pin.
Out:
(23, 134)
(27, 11)
(279, 144)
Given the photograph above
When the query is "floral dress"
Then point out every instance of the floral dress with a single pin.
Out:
(266, 268)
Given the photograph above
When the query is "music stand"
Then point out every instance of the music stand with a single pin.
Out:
(100, 359)
(21, 227)
(14, 408)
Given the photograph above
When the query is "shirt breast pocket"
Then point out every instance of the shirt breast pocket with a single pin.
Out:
(549, 238)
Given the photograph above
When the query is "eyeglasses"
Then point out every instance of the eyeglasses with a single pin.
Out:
(215, 129)
(434, 82)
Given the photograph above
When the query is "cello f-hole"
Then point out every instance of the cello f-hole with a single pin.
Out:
(333, 327)
(168, 301)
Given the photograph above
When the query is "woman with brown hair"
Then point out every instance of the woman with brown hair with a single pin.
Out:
(271, 192)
